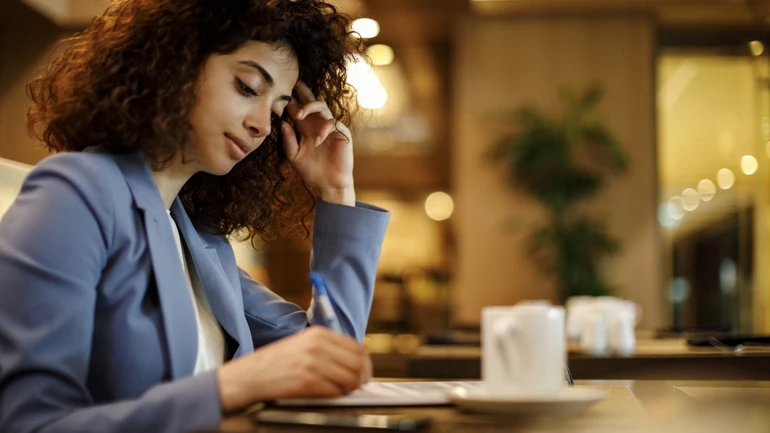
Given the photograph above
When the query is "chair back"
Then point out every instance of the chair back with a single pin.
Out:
(12, 175)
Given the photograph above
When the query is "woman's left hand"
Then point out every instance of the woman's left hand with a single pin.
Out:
(323, 153)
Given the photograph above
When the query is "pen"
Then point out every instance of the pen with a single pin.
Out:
(325, 303)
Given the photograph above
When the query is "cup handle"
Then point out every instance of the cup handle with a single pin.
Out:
(504, 329)
(639, 313)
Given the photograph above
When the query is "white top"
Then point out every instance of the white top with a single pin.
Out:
(211, 341)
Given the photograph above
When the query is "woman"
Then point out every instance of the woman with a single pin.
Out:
(179, 123)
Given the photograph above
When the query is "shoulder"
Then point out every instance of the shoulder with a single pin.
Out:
(90, 174)
(79, 166)
(88, 180)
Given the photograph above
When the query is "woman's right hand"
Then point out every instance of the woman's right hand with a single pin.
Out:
(313, 363)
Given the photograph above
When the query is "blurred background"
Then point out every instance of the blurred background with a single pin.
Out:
(685, 94)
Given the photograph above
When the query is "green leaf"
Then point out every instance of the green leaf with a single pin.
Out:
(610, 151)
(539, 158)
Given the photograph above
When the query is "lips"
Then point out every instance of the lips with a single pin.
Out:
(244, 146)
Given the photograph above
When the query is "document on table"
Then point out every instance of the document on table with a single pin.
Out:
(389, 394)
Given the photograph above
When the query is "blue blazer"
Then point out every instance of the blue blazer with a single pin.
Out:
(97, 328)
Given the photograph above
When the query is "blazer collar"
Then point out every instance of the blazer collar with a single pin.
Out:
(178, 314)
(176, 305)
(141, 183)
(220, 291)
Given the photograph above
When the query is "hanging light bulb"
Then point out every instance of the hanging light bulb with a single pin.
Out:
(367, 28)
(371, 93)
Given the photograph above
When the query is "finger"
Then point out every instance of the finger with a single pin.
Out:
(327, 128)
(314, 107)
(321, 387)
(303, 91)
(333, 339)
(352, 361)
(343, 349)
(327, 389)
(290, 144)
(346, 346)
(343, 378)
(343, 129)
(293, 108)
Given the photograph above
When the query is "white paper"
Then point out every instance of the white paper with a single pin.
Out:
(389, 394)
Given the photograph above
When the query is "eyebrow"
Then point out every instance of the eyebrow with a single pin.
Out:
(266, 75)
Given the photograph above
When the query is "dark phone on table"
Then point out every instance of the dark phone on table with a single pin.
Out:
(732, 340)
(364, 421)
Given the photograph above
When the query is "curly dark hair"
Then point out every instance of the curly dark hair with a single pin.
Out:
(127, 83)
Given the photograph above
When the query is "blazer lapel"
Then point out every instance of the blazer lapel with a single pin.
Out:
(176, 305)
(219, 290)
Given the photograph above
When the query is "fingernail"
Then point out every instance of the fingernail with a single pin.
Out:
(300, 113)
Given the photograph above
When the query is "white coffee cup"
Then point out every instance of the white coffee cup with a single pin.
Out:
(523, 350)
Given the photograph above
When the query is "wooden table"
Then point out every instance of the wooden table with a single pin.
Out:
(632, 406)
(654, 359)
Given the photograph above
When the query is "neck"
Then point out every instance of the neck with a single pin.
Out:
(171, 179)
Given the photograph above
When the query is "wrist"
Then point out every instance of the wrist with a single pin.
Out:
(228, 392)
(344, 196)
(234, 393)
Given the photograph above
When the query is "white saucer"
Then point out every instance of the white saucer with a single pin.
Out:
(569, 402)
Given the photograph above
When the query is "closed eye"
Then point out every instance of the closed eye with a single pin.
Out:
(244, 89)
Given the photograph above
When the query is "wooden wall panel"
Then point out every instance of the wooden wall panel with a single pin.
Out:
(501, 63)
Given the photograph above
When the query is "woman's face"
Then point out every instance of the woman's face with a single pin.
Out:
(238, 95)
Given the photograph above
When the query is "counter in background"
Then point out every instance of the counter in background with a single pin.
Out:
(654, 359)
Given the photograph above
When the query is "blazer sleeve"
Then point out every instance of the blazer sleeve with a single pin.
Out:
(55, 241)
(347, 242)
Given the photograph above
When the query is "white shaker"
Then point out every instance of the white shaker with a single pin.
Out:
(577, 309)
(595, 335)
(622, 335)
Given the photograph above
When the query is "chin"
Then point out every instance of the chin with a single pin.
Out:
(222, 170)
(220, 167)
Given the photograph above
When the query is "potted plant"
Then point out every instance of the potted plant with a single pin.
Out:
(561, 160)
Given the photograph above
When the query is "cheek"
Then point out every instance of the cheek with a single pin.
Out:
(214, 105)
(217, 105)
(215, 120)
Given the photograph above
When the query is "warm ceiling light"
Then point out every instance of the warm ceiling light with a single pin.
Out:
(757, 48)
(674, 208)
(749, 165)
(439, 206)
(690, 199)
(381, 55)
(367, 28)
(706, 189)
(371, 93)
(725, 178)
(669, 215)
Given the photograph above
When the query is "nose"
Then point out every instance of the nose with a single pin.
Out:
(257, 122)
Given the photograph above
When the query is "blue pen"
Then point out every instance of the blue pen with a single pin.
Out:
(325, 302)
